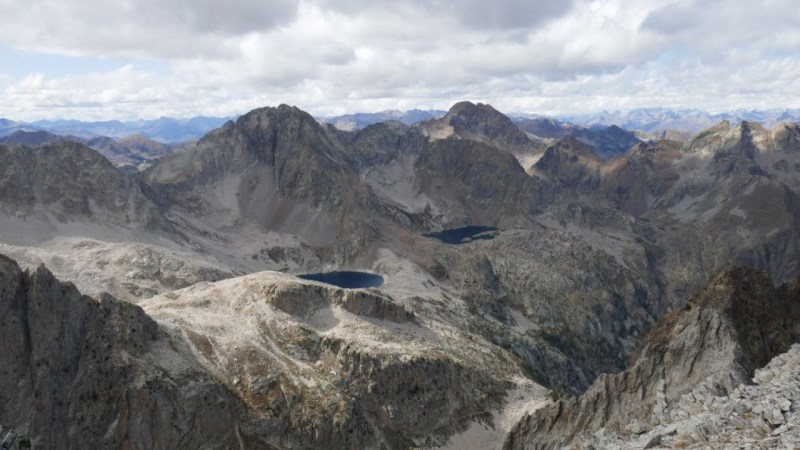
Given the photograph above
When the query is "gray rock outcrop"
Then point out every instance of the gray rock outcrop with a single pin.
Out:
(80, 372)
(736, 324)
(215, 366)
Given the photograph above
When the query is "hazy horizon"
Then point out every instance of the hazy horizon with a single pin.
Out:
(578, 116)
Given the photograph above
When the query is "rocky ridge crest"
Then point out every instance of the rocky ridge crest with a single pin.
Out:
(737, 323)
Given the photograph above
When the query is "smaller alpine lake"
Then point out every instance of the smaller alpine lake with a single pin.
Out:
(455, 236)
(346, 279)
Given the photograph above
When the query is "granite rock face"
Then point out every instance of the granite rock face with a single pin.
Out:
(571, 165)
(760, 414)
(264, 361)
(734, 325)
(136, 152)
(274, 169)
(318, 365)
(72, 182)
(81, 372)
(482, 123)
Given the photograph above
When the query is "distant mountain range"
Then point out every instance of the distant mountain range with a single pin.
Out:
(351, 122)
(690, 120)
(650, 120)
(132, 153)
(654, 121)
(165, 129)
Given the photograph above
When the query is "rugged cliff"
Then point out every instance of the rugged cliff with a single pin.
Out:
(99, 374)
(262, 361)
(735, 324)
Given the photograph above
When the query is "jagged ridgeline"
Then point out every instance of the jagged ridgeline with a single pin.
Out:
(696, 361)
(519, 262)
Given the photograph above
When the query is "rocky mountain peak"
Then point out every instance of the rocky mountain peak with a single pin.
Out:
(270, 132)
(73, 182)
(36, 138)
(786, 137)
(724, 137)
(143, 144)
(470, 108)
(710, 137)
(570, 163)
(571, 145)
(755, 133)
(730, 151)
(545, 127)
(270, 135)
(483, 120)
(274, 168)
(381, 143)
(483, 123)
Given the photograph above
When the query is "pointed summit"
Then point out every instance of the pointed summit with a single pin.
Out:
(276, 168)
(710, 137)
(786, 137)
(570, 164)
(483, 122)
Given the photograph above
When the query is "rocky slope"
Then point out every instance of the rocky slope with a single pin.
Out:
(475, 183)
(546, 128)
(83, 372)
(263, 361)
(632, 180)
(572, 166)
(736, 324)
(725, 207)
(606, 142)
(482, 123)
(68, 182)
(381, 144)
(136, 152)
(358, 121)
(761, 414)
(129, 271)
(275, 169)
(36, 138)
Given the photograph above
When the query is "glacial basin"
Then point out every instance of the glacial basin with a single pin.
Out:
(346, 279)
(455, 236)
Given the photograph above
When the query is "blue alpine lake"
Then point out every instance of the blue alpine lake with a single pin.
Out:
(346, 279)
(455, 236)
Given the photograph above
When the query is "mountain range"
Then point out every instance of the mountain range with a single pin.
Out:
(351, 122)
(542, 285)
(132, 153)
(166, 130)
(653, 121)
(687, 120)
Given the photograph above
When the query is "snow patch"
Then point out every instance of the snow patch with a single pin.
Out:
(738, 212)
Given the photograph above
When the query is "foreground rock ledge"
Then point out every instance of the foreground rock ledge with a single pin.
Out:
(707, 350)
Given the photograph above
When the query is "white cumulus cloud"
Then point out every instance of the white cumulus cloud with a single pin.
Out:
(334, 56)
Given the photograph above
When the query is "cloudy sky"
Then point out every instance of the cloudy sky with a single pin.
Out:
(127, 59)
